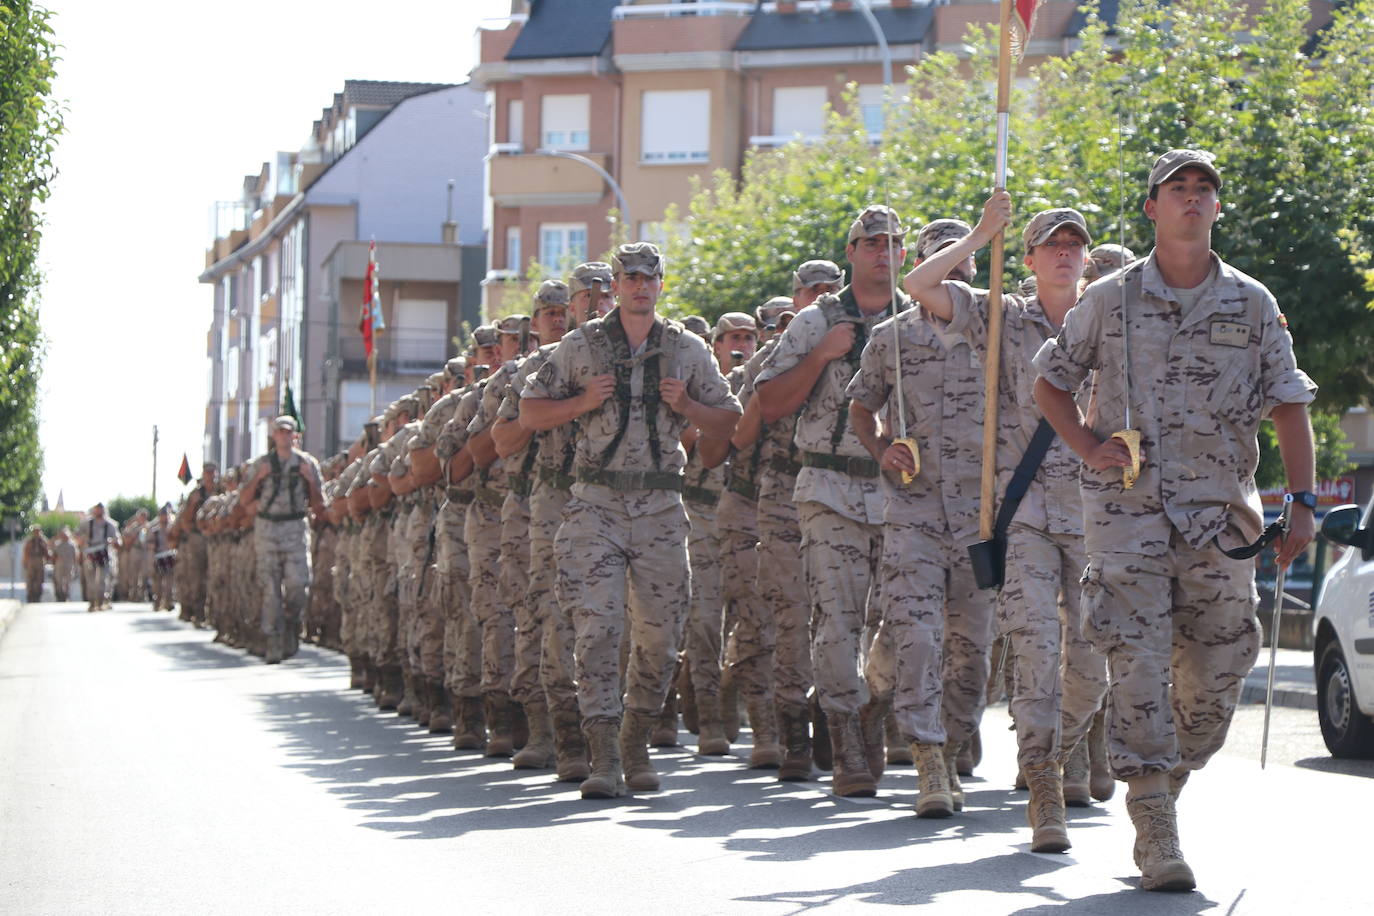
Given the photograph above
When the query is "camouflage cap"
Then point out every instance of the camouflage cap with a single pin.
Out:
(485, 336)
(436, 379)
(1045, 223)
(407, 403)
(768, 312)
(584, 276)
(876, 219)
(697, 325)
(286, 423)
(735, 321)
(638, 258)
(1105, 259)
(940, 233)
(389, 414)
(1175, 159)
(813, 272)
(551, 293)
(209, 466)
(375, 421)
(454, 367)
(510, 324)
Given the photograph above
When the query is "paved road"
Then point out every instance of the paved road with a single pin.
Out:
(144, 769)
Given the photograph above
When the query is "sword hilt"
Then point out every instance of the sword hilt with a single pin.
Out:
(1131, 473)
(910, 445)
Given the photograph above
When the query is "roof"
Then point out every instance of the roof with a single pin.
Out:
(831, 29)
(1106, 10)
(380, 92)
(564, 28)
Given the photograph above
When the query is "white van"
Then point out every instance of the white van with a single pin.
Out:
(1343, 630)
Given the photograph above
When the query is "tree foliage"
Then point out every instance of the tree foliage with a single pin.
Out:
(29, 125)
(53, 522)
(122, 508)
(1291, 119)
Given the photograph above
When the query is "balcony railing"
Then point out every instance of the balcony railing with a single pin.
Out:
(670, 10)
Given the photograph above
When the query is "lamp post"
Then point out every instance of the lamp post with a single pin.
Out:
(605, 176)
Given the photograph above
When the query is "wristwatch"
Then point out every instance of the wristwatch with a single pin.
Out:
(1306, 498)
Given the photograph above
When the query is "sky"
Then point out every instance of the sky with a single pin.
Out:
(167, 106)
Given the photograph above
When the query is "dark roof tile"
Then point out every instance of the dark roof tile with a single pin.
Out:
(831, 29)
(379, 92)
(564, 28)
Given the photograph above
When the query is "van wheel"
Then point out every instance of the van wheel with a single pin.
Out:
(1346, 731)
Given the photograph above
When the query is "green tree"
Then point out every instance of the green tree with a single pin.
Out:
(122, 508)
(53, 522)
(29, 125)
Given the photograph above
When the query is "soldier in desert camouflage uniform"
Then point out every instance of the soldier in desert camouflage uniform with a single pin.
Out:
(1209, 357)
(634, 382)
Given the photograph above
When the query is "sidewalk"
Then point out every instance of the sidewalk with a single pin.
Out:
(1295, 683)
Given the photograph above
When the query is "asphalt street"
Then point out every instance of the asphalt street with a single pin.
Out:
(144, 769)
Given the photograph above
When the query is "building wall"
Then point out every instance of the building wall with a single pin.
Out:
(327, 226)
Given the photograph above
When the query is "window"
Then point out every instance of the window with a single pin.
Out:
(659, 232)
(355, 396)
(267, 359)
(565, 122)
(515, 121)
(799, 110)
(871, 107)
(676, 126)
(562, 246)
(513, 261)
(260, 437)
(419, 337)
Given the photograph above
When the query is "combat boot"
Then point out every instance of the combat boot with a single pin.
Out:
(391, 689)
(519, 725)
(795, 722)
(871, 719)
(500, 741)
(763, 721)
(729, 705)
(897, 750)
(711, 740)
(1045, 809)
(970, 754)
(370, 677)
(605, 781)
(273, 653)
(956, 788)
(851, 778)
(821, 744)
(407, 705)
(932, 781)
(537, 754)
(1157, 851)
(440, 710)
(470, 733)
(420, 707)
(1100, 781)
(687, 691)
(570, 746)
(640, 774)
(665, 727)
(356, 678)
(1076, 791)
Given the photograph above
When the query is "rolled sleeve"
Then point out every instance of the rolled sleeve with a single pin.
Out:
(800, 338)
(1282, 382)
(1066, 360)
(871, 386)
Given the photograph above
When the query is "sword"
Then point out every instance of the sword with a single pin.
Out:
(1284, 517)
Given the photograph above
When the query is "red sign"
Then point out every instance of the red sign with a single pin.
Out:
(1330, 492)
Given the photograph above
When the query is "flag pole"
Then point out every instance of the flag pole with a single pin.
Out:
(993, 366)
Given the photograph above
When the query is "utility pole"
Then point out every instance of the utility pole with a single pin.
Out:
(154, 464)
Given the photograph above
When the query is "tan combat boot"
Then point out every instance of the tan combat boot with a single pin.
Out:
(729, 704)
(570, 746)
(470, 731)
(1157, 852)
(407, 705)
(956, 788)
(1100, 781)
(640, 774)
(970, 754)
(605, 781)
(688, 694)
(851, 778)
(356, 678)
(821, 745)
(392, 687)
(1076, 791)
(763, 721)
(932, 781)
(796, 736)
(1045, 809)
(537, 754)
(711, 740)
(665, 726)
(500, 741)
(872, 717)
(440, 709)
(898, 753)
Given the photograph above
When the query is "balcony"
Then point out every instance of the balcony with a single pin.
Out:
(522, 180)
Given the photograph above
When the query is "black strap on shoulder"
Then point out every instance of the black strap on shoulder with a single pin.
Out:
(849, 308)
(1023, 475)
(623, 366)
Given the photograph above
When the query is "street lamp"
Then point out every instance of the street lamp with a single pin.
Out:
(605, 176)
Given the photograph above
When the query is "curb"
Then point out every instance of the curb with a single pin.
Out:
(9, 609)
(1290, 697)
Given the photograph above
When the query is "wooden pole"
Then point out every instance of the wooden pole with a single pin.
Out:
(993, 367)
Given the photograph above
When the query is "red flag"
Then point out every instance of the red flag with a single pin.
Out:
(365, 319)
(1022, 23)
(183, 473)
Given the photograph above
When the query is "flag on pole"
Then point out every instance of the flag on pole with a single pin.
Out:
(288, 408)
(370, 322)
(184, 472)
(1022, 23)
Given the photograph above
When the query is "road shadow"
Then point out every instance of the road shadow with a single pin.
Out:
(1342, 765)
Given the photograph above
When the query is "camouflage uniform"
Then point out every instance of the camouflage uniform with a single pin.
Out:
(164, 563)
(705, 616)
(939, 621)
(1174, 616)
(100, 535)
(1058, 679)
(63, 566)
(281, 536)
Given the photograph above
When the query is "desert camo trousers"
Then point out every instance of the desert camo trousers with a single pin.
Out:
(495, 619)
(754, 631)
(609, 562)
(512, 586)
(283, 567)
(462, 636)
(1180, 634)
(782, 584)
(556, 631)
(706, 614)
(1058, 679)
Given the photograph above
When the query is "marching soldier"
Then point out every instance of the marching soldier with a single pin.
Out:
(64, 563)
(634, 382)
(1193, 354)
(37, 552)
(98, 536)
(164, 558)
